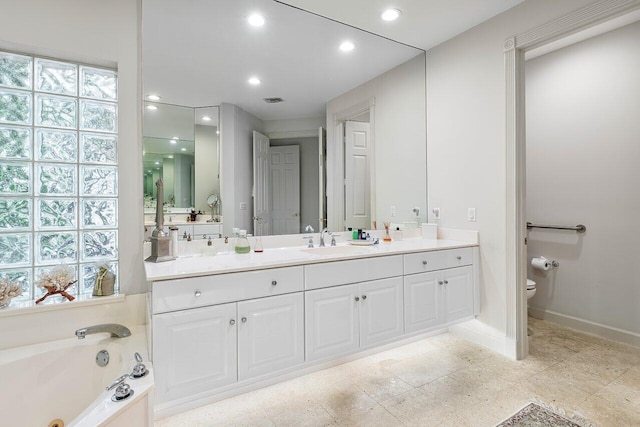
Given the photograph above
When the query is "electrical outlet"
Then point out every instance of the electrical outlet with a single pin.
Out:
(471, 214)
(393, 211)
(436, 213)
(243, 206)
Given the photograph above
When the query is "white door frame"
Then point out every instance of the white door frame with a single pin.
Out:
(514, 51)
(335, 161)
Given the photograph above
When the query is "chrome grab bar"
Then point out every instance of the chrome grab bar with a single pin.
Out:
(579, 228)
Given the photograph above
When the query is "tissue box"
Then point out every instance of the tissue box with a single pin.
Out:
(429, 231)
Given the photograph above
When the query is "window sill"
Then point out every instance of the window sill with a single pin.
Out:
(19, 308)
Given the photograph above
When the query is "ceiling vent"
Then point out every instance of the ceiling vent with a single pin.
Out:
(273, 100)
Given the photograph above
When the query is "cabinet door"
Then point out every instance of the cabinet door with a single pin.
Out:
(270, 334)
(422, 301)
(194, 351)
(332, 321)
(458, 290)
(381, 308)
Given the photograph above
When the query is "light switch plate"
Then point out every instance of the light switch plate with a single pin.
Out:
(471, 214)
(393, 210)
(436, 213)
(243, 206)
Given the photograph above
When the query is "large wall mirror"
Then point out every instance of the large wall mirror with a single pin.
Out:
(310, 130)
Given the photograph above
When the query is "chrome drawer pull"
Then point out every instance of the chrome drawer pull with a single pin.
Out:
(364, 297)
(244, 320)
(232, 322)
(274, 282)
(459, 257)
(424, 262)
(440, 282)
(446, 282)
(357, 299)
(197, 293)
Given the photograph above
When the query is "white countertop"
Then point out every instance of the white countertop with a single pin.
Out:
(190, 266)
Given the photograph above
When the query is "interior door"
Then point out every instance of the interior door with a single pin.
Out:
(357, 168)
(322, 177)
(284, 165)
(261, 185)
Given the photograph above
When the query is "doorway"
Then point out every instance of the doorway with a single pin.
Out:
(593, 17)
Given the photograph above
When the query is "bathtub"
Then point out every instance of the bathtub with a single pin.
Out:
(43, 384)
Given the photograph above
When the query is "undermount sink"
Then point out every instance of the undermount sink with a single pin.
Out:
(337, 250)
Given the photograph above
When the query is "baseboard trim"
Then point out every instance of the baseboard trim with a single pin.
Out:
(481, 334)
(587, 326)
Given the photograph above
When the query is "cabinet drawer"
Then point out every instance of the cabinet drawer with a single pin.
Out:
(329, 274)
(437, 260)
(179, 294)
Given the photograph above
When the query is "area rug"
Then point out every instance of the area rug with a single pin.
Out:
(534, 415)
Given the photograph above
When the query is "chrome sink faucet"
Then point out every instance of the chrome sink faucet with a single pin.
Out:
(324, 230)
(116, 330)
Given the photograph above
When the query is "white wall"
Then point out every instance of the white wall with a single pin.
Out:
(236, 136)
(399, 140)
(294, 128)
(206, 161)
(103, 33)
(583, 127)
(309, 185)
(466, 138)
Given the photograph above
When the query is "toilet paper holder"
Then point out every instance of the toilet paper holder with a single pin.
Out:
(543, 263)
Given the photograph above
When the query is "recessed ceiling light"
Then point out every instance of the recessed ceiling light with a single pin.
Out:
(157, 163)
(217, 132)
(183, 149)
(173, 141)
(152, 107)
(347, 46)
(256, 20)
(390, 14)
(254, 81)
(149, 171)
(175, 137)
(153, 97)
(170, 156)
(206, 118)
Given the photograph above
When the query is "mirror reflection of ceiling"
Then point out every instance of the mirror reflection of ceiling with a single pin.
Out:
(423, 23)
(204, 52)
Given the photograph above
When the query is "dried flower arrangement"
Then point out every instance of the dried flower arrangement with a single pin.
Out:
(8, 290)
(57, 281)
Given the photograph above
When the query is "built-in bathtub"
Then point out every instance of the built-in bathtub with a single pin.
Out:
(60, 380)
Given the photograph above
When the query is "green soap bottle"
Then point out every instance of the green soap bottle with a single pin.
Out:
(242, 243)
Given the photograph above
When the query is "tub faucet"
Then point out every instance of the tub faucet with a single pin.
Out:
(118, 331)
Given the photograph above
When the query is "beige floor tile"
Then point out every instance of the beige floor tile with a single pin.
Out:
(562, 394)
(341, 402)
(308, 414)
(572, 376)
(375, 416)
(381, 384)
(255, 419)
(453, 393)
(604, 414)
(416, 409)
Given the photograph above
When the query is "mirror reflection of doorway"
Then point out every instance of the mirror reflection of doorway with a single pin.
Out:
(289, 183)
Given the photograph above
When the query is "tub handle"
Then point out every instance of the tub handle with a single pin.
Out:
(123, 390)
(117, 382)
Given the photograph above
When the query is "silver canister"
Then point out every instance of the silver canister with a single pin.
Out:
(173, 237)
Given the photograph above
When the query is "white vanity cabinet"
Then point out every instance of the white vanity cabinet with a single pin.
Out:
(270, 334)
(194, 351)
(344, 318)
(442, 294)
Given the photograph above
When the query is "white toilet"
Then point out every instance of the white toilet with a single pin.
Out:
(531, 288)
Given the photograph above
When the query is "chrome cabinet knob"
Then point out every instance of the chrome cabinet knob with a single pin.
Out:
(274, 282)
(197, 293)
(232, 322)
(364, 297)
(459, 257)
(440, 282)
(424, 262)
(357, 298)
(244, 320)
(446, 282)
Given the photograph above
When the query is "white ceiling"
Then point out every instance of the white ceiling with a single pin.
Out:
(423, 23)
(201, 53)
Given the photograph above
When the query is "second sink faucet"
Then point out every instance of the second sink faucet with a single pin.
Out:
(324, 230)
(116, 330)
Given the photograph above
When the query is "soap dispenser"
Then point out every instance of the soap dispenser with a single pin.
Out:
(242, 243)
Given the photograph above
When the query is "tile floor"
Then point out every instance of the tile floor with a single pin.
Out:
(446, 381)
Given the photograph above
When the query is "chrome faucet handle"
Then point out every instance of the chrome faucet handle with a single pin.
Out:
(309, 229)
(123, 390)
(333, 240)
(139, 370)
(310, 245)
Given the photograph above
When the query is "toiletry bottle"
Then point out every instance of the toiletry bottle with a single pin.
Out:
(173, 238)
(242, 243)
(355, 235)
(258, 247)
(387, 236)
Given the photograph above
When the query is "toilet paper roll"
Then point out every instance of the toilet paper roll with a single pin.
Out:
(541, 263)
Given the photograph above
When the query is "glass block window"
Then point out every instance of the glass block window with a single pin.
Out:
(58, 170)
